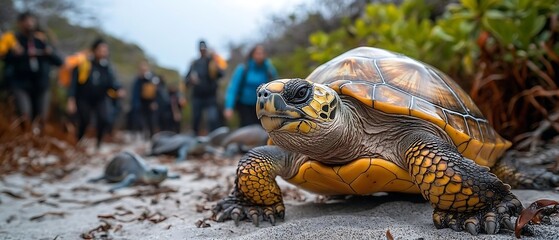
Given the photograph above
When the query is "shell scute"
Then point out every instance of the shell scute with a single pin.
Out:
(396, 84)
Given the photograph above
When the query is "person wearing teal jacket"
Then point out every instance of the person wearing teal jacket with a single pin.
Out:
(241, 92)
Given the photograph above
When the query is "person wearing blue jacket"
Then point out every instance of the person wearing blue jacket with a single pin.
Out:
(241, 92)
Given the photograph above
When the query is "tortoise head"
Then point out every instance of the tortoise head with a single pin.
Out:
(155, 175)
(296, 106)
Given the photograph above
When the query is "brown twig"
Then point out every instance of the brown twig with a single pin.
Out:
(13, 195)
(39, 217)
(533, 138)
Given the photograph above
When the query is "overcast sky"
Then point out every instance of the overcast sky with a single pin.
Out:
(169, 30)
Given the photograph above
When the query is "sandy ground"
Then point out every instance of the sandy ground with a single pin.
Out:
(71, 208)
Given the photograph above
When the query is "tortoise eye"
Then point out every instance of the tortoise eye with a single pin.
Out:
(301, 95)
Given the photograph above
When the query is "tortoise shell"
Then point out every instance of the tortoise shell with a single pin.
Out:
(396, 84)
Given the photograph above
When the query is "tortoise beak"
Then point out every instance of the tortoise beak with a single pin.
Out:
(271, 108)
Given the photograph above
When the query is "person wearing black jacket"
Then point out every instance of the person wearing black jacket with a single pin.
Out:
(146, 94)
(27, 69)
(171, 110)
(92, 81)
(203, 79)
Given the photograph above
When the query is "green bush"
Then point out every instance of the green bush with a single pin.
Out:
(504, 52)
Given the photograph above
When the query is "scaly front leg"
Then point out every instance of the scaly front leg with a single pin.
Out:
(464, 194)
(256, 195)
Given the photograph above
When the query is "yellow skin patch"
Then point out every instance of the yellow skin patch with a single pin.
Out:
(275, 87)
(303, 126)
(362, 176)
(255, 182)
(321, 107)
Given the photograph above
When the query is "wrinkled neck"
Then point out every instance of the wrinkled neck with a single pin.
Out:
(339, 137)
(343, 137)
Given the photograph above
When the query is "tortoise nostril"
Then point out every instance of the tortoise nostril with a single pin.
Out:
(263, 93)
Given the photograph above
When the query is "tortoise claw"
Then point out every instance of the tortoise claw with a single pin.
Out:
(255, 219)
(454, 225)
(505, 221)
(490, 223)
(272, 219)
(220, 217)
(472, 228)
(281, 215)
(490, 227)
(236, 215)
(236, 208)
(280, 211)
(269, 214)
(493, 218)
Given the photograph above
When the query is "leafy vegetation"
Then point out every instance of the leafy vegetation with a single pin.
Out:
(504, 52)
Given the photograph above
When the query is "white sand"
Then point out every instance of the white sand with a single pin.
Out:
(407, 217)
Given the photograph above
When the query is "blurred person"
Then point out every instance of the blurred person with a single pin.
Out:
(28, 56)
(171, 111)
(204, 89)
(164, 112)
(92, 81)
(115, 108)
(133, 126)
(146, 95)
(241, 91)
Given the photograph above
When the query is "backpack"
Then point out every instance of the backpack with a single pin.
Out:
(78, 60)
(149, 89)
(8, 41)
(244, 79)
(216, 64)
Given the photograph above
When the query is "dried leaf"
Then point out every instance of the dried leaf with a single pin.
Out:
(45, 202)
(106, 216)
(531, 214)
(202, 224)
(157, 218)
(201, 208)
(389, 235)
(53, 151)
(103, 229)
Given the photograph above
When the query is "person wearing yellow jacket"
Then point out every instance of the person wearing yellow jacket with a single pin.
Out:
(88, 95)
(28, 57)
